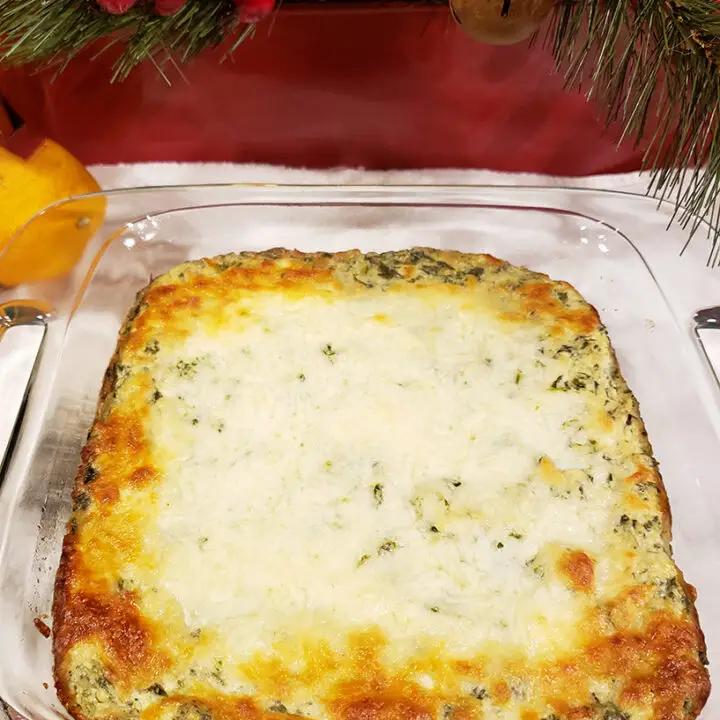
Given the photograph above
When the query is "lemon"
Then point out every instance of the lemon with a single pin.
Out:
(51, 245)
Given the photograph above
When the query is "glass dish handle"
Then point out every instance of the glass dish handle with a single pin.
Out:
(707, 332)
(22, 330)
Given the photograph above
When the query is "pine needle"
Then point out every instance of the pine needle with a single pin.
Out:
(657, 61)
(54, 31)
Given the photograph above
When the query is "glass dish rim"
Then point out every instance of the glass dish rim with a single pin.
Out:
(395, 197)
(397, 188)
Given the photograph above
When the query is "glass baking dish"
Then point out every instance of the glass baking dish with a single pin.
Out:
(613, 247)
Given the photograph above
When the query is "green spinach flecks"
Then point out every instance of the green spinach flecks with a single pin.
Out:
(534, 565)
(90, 475)
(385, 271)
(329, 352)
(614, 713)
(119, 374)
(668, 589)
(378, 494)
(82, 501)
(186, 368)
(364, 283)
(217, 672)
(387, 547)
(565, 350)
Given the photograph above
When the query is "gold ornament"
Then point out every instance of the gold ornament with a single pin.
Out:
(500, 22)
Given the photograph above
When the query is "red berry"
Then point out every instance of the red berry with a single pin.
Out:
(169, 7)
(253, 11)
(116, 7)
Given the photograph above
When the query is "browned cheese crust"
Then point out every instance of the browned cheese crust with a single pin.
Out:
(112, 660)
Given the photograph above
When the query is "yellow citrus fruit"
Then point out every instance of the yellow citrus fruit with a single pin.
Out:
(51, 245)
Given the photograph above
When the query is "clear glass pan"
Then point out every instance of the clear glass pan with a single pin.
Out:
(589, 238)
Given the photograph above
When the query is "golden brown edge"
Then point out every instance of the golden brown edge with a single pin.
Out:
(704, 686)
(62, 579)
(217, 265)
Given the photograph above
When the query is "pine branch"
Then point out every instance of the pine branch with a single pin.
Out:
(53, 32)
(661, 58)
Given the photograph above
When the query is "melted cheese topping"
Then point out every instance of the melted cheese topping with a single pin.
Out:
(377, 460)
(397, 482)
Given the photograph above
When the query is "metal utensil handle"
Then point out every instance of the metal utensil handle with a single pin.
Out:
(707, 332)
(22, 330)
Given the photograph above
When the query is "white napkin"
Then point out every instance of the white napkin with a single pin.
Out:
(116, 176)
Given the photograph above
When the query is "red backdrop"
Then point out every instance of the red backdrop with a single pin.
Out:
(386, 87)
